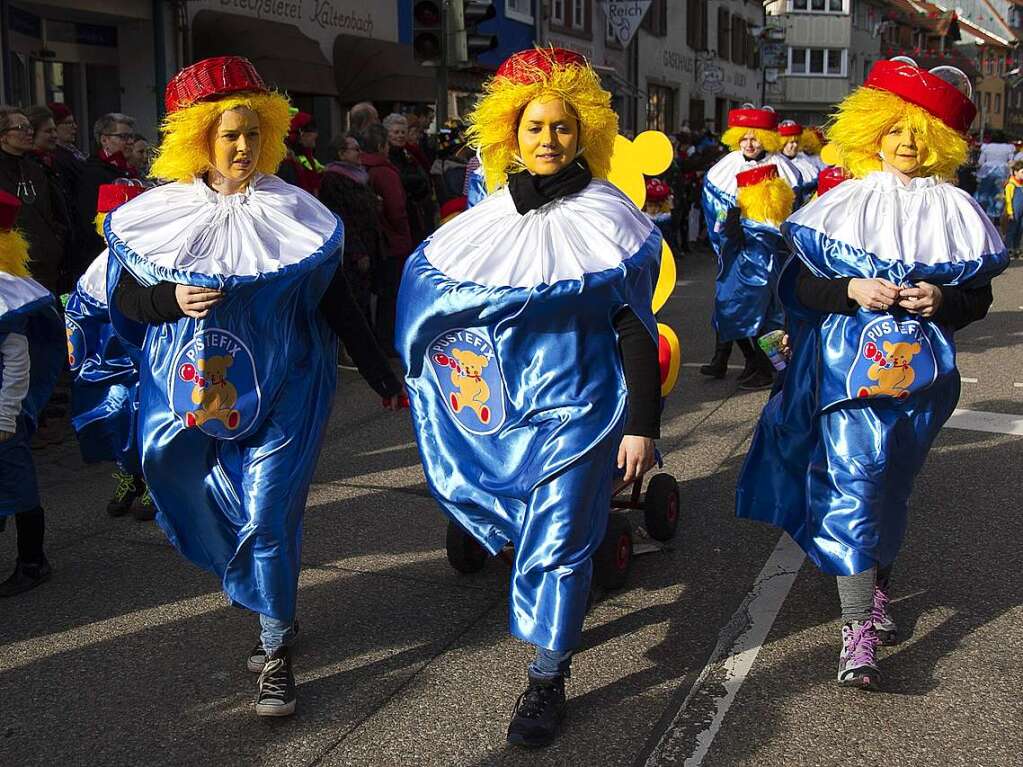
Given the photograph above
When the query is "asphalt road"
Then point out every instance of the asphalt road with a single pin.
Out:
(130, 655)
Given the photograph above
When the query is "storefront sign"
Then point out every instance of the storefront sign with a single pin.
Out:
(712, 78)
(624, 18)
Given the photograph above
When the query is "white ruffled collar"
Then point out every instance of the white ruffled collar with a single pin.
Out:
(492, 244)
(16, 292)
(722, 174)
(191, 228)
(94, 282)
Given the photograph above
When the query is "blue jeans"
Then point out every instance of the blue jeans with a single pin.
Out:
(1013, 231)
(275, 634)
(549, 664)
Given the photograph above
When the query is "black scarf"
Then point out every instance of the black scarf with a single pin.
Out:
(530, 191)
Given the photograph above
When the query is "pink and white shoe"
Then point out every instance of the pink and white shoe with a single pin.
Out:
(857, 663)
(884, 624)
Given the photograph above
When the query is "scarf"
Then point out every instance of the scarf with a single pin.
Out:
(530, 191)
(356, 173)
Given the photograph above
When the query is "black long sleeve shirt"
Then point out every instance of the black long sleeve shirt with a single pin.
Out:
(642, 375)
(156, 304)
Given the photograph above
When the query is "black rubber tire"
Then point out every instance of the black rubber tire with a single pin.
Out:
(613, 559)
(464, 553)
(661, 507)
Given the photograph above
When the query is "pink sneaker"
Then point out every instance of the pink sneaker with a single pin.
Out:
(857, 663)
(884, 624)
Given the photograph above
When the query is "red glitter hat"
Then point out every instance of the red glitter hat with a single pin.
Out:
(789, 128)
(209, 79)
(927, 91)
(453, 207)
(752, 118)
(113, 196)
(9, 207)
(523, 67)
(60, 112)
(830, 177)
(756, 175)
(657, 190)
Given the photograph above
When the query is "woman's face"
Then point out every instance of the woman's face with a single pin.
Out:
(235, 142)
(46, 136)
(902, 149)
(67, 131)
(397, 134)
(548, 136)
(750, 145)
(791, 147)
(17, 139)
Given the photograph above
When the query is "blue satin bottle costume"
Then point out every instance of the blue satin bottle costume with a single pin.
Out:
(749, 262)
(836, 451)
(233, 406)
(28, 309)
(104, 391)
(518, 401)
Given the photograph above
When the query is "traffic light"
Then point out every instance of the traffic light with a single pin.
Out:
(427, 31)
(466, 42)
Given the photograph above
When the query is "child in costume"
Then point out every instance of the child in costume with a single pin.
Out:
(753, 138)
(507, 315)
(791, 134)
(228, 280)
(810, 145)
(889, 264)
(1014, 208)
(31, 356)
(751, 254)
(104, 391)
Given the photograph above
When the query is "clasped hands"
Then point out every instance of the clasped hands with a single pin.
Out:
(878, 295)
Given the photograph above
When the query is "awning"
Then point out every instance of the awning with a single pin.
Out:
(380, 70)
(285, 58)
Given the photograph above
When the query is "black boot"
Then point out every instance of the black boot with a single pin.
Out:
(719, 363)
(26, 576)
(760, 373)
(538, 713)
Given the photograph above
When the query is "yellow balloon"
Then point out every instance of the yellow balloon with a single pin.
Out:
(653, 152)
(625, 174)
(670, 355)
(830, 155)
(665, 279)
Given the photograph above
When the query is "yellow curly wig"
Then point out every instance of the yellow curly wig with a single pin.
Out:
(13, 253)
(98, 223)
(769, 201)
(866, 114)
(493, 124)
(769, 139)
(184, 152)
(809, 141)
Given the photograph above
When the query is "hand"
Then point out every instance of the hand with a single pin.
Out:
(362, 264)
(397, 402)
(923, 299)
(874, 295)
(196, 302)
(636, 456)
(6, 435)
(786, 347)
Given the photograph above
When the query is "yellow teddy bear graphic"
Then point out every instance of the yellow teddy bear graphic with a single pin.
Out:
(472, 391)
(894, 378)
(70, 345)
(214, 394)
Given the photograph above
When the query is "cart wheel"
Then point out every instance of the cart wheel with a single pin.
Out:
(464, 553)
(661, 507)
(613, 558)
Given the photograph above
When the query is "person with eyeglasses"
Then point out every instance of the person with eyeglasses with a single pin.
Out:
(40, 217)
(114, 134)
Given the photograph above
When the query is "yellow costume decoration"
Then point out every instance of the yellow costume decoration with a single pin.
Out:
(13, 253)
(768, 202)
(769, 139)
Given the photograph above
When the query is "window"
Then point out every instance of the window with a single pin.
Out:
(998, 103)
(519, 10)
(696, 25)
(831, 62)
(724, 17)
(660, 108)
(696, 108)
(987, 102)
(558, 12)
(656, 20)
(579, 14)
(739, 40)
(819, 6)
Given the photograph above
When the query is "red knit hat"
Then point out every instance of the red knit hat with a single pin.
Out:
(752, 118)
(928, 91)
(523, 67)
(657, 190)
(453, 207)
(756, 175)
(789, 128)
(113, 196)
(60, 112)
(210, 79)
(830, 177)
(9, 207)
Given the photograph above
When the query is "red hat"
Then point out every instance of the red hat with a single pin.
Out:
(789, 128)
(453, 207)
(60, 111)
(830, 177)
(209, 79)
(9, 207)
(300, 121)
(657, 190)
(752, 118)
(928, 91)
(113, 196)
(756, 175)
(522, 67)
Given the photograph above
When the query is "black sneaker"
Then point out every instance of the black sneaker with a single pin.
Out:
(538, 713)
(759, 379)
(143, 509)
(125, 494)
(25, 578)
(257, 655)
(276, 685)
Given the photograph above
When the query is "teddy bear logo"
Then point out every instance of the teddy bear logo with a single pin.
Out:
(893, 370)
(214, 396)
(471, 391)
(70, 345)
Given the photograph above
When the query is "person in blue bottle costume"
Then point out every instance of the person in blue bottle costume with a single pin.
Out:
(888, 266)
(753, 138)
(526, 331)
(31, 355)
(104, 390)
(227, 279)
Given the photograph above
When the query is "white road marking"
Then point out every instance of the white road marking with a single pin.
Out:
(1017, 384)
(967, 380)
(701, 364)
(738, 645)
(392, 449)
(979, 420)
